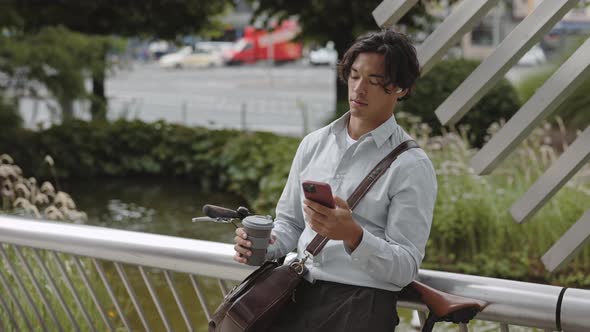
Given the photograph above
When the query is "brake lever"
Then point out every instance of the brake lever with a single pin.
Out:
(215, 220)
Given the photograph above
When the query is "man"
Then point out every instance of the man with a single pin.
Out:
(375, 250)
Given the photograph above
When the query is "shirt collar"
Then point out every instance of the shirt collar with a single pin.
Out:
(380, 134)
(339, 124)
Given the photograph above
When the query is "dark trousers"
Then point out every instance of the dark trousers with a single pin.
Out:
(328, 306)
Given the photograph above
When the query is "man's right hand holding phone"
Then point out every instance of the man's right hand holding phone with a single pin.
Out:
(334, 223)
(330, 215)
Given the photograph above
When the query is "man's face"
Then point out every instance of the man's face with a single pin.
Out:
(366, 97)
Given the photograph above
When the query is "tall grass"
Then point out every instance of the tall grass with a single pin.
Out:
(473, 231)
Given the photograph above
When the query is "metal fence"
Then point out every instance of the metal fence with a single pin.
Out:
(64, 277)
(295, 116)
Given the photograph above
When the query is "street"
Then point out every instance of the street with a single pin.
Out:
(289, 99)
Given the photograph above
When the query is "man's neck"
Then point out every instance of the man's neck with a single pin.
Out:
(357, 127)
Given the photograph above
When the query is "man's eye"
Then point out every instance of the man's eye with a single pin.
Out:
(354, 77)
(375, 82)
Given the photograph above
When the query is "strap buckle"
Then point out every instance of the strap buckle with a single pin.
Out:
(299, 265)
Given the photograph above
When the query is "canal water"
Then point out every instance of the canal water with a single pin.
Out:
(160, 206)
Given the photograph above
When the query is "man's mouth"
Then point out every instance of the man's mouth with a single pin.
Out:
(358, 102)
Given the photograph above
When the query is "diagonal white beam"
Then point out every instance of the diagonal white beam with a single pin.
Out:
(464, 16)
(390, 11)
(576, 156)
(574, 72)
(569, 244)
(493, 68)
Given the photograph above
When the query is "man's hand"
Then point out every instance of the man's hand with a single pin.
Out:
(243, 246)
(335, 224)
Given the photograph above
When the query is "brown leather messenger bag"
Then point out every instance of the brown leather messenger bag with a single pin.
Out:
(256, 301)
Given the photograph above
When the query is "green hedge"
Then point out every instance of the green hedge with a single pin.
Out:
(472, 231)
(222, 160)
(501, 101)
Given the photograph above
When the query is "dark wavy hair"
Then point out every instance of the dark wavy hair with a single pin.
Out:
(401, 63)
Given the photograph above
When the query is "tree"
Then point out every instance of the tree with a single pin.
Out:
(336, 20)
(157, 18)
(54, 59)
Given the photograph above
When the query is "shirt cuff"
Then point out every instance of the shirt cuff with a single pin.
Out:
(271, 252)
(368, 246)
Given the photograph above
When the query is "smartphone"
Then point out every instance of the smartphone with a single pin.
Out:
(319, 192)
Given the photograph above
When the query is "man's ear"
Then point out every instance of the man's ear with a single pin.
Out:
(400, 93)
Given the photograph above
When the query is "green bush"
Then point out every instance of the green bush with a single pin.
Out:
(431, 90)
(259, 163)
(220, 160)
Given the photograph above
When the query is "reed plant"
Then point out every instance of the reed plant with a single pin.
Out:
(473, 231)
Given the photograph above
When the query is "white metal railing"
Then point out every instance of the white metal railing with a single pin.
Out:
(59, 276)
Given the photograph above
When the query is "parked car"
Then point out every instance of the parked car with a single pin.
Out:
(158, 48)
(189, 56)
(535, 56)
(324, 56)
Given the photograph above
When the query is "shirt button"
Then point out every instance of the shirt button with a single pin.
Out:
(355, 259)
(316, 264)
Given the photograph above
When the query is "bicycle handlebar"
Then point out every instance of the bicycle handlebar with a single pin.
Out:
(214, 211)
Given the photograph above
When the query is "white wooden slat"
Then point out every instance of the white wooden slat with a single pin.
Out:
(464, 16)
(576, 156)
(390, 11)
(574, 72)
(493, 68)
(569, 244)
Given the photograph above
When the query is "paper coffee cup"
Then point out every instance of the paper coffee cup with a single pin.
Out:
(258, 229)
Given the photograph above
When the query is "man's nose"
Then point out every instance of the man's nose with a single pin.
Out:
(360, 86)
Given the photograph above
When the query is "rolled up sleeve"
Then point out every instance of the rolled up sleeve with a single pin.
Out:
(397, 257)
(289, 224)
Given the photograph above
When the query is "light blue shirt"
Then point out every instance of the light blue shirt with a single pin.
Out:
(396, 214)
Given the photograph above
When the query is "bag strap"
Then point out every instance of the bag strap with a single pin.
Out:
(319, 241)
